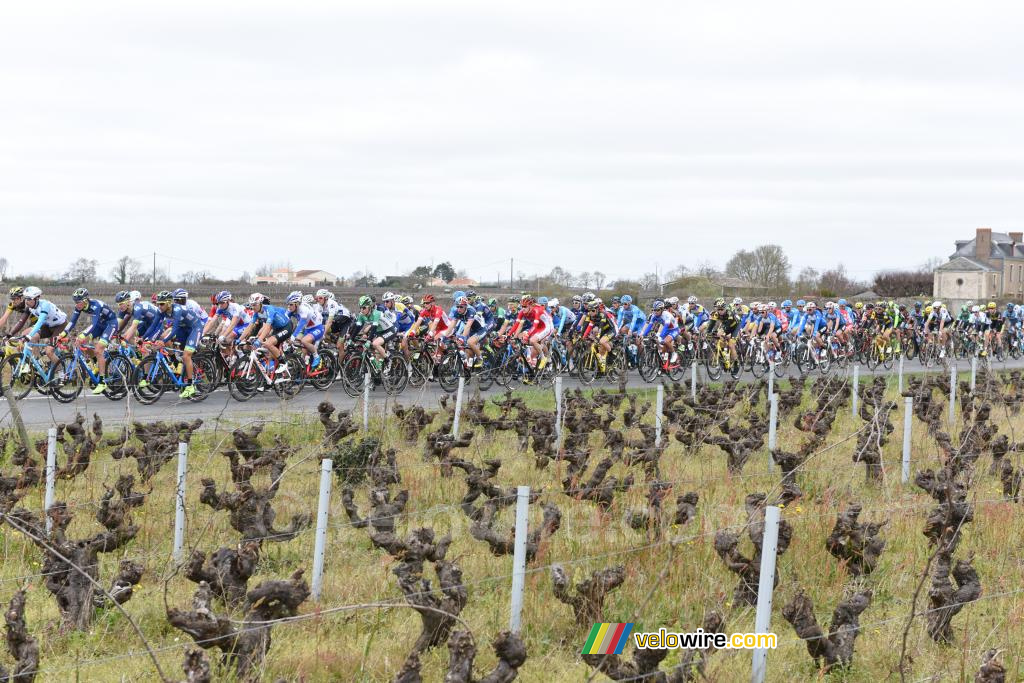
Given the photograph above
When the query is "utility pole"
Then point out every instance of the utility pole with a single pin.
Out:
(154, 269)
(511, 277)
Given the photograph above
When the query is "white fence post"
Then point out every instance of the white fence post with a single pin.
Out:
(458, 407)
(974, 372)
(558, 411)
(856, 386)
(659, 403)
(51, 473)
(326, 469)
(952, 392)
(693, 380)
(763, 617)
(179, 503)
(899, 384)
(771, 385)
(519, 557)
(908, 415)
(367, 381)
(773, 418)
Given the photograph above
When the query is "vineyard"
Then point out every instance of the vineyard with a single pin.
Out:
(876, 578)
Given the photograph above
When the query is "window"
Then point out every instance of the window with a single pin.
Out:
(959, 282)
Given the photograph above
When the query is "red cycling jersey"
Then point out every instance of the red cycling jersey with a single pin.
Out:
(435, 312)
(537, 314)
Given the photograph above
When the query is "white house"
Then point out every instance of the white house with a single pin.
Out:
(991, 266)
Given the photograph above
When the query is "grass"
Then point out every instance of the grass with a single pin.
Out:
(371, 644)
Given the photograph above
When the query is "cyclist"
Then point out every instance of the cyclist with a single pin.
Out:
(15, 309)
(228, 322)
(539, 330)
(376, 323)
(300, 313)
(470, 326)
(995, 324)
(185, 328)
(101, 327)
(271, 326)
(136, 315)
(600, 323)
(724, 323)
(180, 297)
(433, 317)
(50, 320)
(313, 332)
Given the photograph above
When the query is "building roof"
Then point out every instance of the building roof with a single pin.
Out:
(965, 264)
(866, 295)
(310, 273)
(464, 282)
(725, 281)
(1002, 247)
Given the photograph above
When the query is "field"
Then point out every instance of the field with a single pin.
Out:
(672, 573)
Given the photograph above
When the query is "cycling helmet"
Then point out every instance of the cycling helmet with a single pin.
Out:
(616, 300)
(427, 299)
(918, 304)
(526, 299)
(553, 302)
(223, 295)
(457, 295)
(323, 294)
(512, 301)
(672, 301)
(719, 302)
(830, 305)
(293, 298)
(588, 296)
(963, 309)
(164, 297)
(389, 296)
(16, 291)
(33, 292)
(787, 303)
(658, 305)
(597, 301)
(365, 301)
(462, 301)
(801, 303)
(179, 293)
(122, 297)
(492, 302)
(626, 299)
(772, 304)
(577, 299)
(842, 302)
(737, 301)
(858, 305)
(593, 307)
(80, 294)
(543, 301)
(903, 307)
(307, 299)
(991, 305)
(811, 305)
(135, 294)
(691, 299)
(470, 294)
(255, 298)
(975, 309)
(928, 310)
(936, 304)
(870, 306)
(892, 304)
(406, 300)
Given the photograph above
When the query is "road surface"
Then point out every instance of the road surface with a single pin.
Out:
(40, 412)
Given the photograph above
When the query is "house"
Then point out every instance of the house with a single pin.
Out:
(990, 266)
(463, 282)
(302, 278)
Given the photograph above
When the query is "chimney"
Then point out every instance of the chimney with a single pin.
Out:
(983, 244)
(1017, 237)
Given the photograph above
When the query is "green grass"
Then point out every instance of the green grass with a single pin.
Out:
(371, 644)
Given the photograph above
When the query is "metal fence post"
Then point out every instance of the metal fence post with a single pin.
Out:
(908, 415)
(773, 419)
(367, 381)
(974, 372)
(659, 402)
(855, 398)
(458, 407)
(952, 392)
(693, 380)
(51, 472)
(763, 617)
(519, 557)
(179, 503)
(558, 411)
(323, 507)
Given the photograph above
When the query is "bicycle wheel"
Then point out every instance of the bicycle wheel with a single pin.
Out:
(615, 363)
(154, 379)
(289, 383)
(449, 370)
(649, 364)
(353, 374)
(16, 377)
(586, 370)
(713, 364)
(422, 368)
(67, 379)
(485, 375)
(204, 373)
(507, 371)
(395, 374)
(322, 378)
(119, 373)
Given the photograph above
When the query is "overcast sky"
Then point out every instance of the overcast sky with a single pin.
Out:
(591, 135)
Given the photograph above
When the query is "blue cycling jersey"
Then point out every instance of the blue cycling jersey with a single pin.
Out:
(628, 316)
(275, 315)
(102, 315)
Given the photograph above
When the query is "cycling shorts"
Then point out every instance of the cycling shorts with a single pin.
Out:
(51, 331)
(668, 333)
(283, 333)
(540, 332)
(189, 337)
(101, 333)
(317, 332)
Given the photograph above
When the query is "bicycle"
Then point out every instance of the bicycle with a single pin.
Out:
(21, 371)
(155, 375)
(253, 373)
(515, 365)
(76, 371)
(392, 372)
(454, 364)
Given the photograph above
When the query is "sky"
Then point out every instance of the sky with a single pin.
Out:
(620, 137)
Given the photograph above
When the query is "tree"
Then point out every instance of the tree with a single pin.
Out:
(677, 273)
(421, 272)
(445, 271)
(560, 277)
(766, 265)
(196, 277)
(807, 281)
(599, 279)
(82, 270)
(707, 269)
(649, 280)
(898, 283)
(835, 282)
(583, 279)
(3, 268)
(126, 270)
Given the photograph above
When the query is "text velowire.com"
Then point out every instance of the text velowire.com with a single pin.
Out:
(699, 640)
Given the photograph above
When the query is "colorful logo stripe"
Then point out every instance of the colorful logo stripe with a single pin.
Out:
(607, 639)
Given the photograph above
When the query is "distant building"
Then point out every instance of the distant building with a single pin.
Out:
(300, 278)
(990, 266)
(463, 282)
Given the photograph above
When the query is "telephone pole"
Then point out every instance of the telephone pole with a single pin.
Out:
(154, 269)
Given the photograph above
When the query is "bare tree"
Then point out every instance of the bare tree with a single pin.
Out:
(807, 280)
(649, 280)
(560, 277)
(82, 270)
(196, 277)
(126, 270)
(268, 268)
(4, 265)
(677, 273)
(707, 269)
(766, 265)
(599, 279)
(583, 279)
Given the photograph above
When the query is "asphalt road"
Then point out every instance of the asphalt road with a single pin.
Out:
(42, 411)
